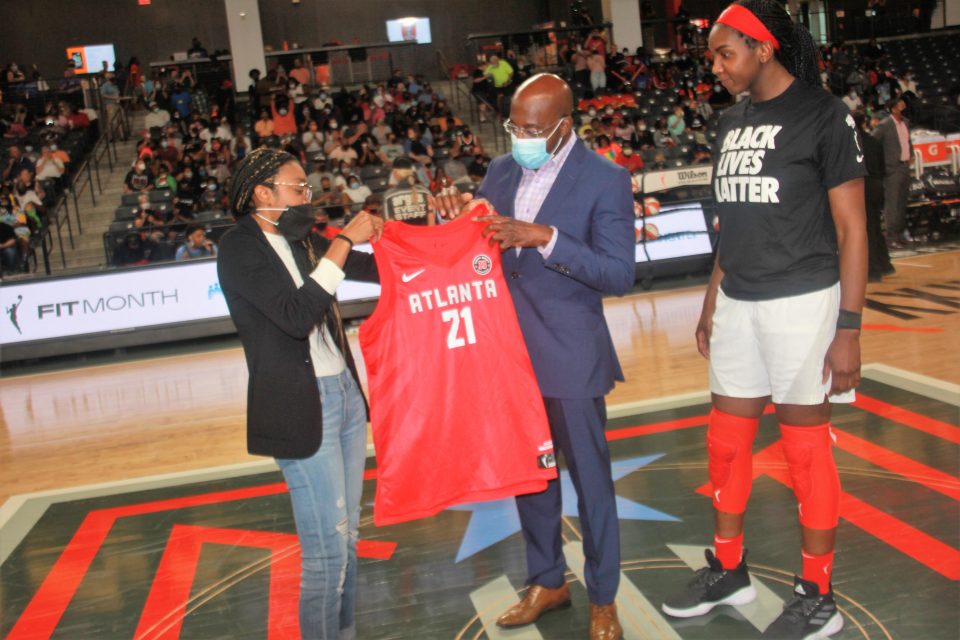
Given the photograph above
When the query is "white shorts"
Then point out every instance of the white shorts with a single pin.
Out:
(775, 347)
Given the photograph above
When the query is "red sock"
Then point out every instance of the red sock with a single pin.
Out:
(818, 569)
(729, 551)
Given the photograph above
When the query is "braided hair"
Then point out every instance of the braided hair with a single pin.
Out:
(798, 52)
(253, 170)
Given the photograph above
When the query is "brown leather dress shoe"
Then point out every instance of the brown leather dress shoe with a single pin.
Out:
(535, 603)
(604, 624)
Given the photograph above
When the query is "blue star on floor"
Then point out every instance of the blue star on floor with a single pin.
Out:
(496, 520)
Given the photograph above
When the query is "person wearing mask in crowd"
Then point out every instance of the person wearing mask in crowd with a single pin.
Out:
(356, 190)
(631, 160)
(263, 127)
(156, 117)
(280, 283)
(780, 323)
(852, 100)
(284, 122)
(894, 133)
(49, 166)
(181, 100)
(138, 178)
(312, 138)
(196, 245)
(677, 123)
(147, 220)
(17, 161)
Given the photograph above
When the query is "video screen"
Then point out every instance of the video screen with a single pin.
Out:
(409, 30)
(90, 58)
(675, 231)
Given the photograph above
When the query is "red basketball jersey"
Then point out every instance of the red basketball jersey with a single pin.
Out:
(456, 412)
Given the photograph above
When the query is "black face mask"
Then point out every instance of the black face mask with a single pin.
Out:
(294, 223)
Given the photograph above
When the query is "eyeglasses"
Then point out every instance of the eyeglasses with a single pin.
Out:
(530, 132)
(300, 188)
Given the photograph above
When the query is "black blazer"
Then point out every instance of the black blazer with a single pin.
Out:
(274, 320)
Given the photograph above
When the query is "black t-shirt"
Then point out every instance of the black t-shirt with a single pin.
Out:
(775, 162)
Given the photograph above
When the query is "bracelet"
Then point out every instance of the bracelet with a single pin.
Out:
(340, 236)
(848, 320)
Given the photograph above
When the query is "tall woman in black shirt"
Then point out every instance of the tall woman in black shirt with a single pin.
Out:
(781, 316)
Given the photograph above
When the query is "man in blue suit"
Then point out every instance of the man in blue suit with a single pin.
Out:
(565, 225)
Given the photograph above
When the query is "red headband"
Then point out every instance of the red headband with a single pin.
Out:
(743, 20)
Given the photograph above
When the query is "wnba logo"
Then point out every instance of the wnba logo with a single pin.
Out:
(482, 264)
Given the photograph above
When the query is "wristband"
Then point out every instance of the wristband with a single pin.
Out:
(848, 320)
(340, 236)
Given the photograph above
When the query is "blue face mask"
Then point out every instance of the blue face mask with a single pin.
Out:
(531, 153)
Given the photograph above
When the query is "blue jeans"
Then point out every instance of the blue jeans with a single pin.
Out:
(325, 490)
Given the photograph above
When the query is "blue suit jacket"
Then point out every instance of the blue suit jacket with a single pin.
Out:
(559, 301)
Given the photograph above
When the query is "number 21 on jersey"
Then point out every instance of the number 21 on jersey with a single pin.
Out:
(453, 316)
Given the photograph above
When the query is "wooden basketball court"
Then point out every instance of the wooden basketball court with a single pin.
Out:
(132, 510)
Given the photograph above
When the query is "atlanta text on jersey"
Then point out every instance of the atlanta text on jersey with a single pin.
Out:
(453, 294)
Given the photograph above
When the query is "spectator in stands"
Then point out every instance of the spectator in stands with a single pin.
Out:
(661, 135)
(264, 127)
(344, 151)
(284, 122)
(169, 151)
(608, 149)
(894, 134)
(631, 160)
(312, 138)
(597, 65)
(16, 162)
(181, 100)
(147, 220)
(391, 150)
(211, 195)
(296, 93)
(659, 161)
(908, 85)
(852, 100)
(133, 251)
(240, 145)
(356, 190)
(329, 195)
(49, 167)
(415, 148)
(156, 117)
(196, 245)
(466, 142)
(369, 152)
(164, 179)
(138, 178)
(18, 221)
(501, 75)
(26, 190)
(9, 257)
(59, 154)
(677, 124)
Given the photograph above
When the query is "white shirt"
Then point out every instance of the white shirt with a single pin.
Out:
(326, 356)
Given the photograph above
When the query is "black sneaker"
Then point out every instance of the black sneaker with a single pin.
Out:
(808, 615)
(712, 585)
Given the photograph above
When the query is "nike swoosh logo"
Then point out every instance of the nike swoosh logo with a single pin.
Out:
(859, 158)
(407, 277)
